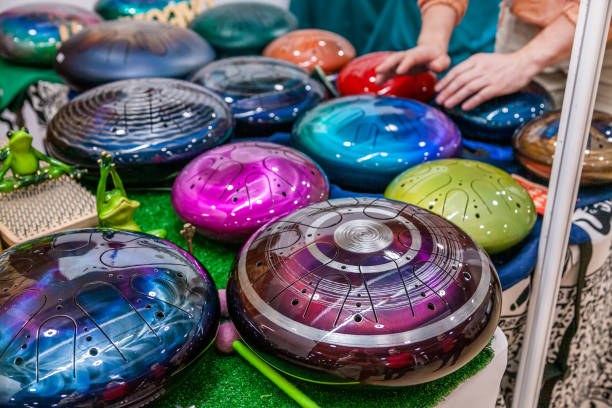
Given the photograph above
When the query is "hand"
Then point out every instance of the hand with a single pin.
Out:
(414, 61)
(484, 76)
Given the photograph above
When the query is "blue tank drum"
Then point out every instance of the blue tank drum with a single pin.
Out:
(497, 119)
(100, 318)
(124, 49)
(243, 28)
(363, 142)
(30, 34)
(152, 127)
(266, 94)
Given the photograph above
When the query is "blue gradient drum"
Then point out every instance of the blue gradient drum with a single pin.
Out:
(364, 291)
(266, 95)
(100, 319)
(243, 28)
(151, 127)
(116, 50)
(497, 119)
(362, 142)
(31, 34)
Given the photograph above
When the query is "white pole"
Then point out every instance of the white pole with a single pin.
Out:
(580, 91)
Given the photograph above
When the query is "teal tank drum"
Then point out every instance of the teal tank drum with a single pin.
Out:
(497, 119)
(363, 142)
(125, 49)
(243, 28)
(114, 9)
(484, 201)
(31, 34)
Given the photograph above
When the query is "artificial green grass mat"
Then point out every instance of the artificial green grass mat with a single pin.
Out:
(219, 380)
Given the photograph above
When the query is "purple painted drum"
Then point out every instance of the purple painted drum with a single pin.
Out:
(364, 291)
(230, 191)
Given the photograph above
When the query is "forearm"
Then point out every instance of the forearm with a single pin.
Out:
(552, 45)
(438, 22)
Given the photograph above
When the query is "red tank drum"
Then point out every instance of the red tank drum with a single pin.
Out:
(364, 291)
(311, 47)
(359, 77)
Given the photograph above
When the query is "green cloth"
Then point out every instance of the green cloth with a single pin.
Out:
(226, 380)
(394, 25)
(15, 80)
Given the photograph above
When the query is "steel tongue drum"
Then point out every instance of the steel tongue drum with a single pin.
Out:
(364, 291)
(96, 318)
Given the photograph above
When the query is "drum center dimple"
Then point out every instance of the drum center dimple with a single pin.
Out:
(363, 236)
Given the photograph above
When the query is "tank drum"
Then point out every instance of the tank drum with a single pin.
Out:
(116, 50)
(481, 199)
(364, 291)
(94, 318)
(534, 146)
(30, 34)
(151, 127)
(362, 142)
(243, 28)
(114, 9)
(266, 95)
(232, 190)
(310, 47)
(497, 119)
(359, 77)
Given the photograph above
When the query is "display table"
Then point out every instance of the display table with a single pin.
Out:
(580, 354)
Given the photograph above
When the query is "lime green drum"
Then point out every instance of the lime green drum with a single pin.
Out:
(483, 200)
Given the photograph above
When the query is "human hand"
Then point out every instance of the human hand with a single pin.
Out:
(414, 61)
(482, 77)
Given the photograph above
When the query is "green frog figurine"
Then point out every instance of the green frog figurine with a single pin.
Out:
(24, 162)
(115, 209)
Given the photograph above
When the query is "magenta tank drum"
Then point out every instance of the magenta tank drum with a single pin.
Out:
(364, 291)
(230, 191)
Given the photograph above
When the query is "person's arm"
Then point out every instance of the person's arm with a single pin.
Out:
(485, 76)
(431, 53)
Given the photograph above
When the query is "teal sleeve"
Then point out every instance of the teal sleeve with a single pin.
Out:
(383, 25)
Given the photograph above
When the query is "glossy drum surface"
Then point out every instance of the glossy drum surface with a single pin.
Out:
(149, 126)
(124, 49)
(481, 199)
(100, 318)
(362, 142)
(30, 34)
(497, 119)
(265, 94)
(310, 47)
(243, 28)
(359, 77)
(232, 190)
(534, 146)
(113, 9)
(364, 291)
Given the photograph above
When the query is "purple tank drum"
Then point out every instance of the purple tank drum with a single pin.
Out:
(364, 291)
(230, 191)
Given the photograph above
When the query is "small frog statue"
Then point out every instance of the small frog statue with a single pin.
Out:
(24, 162)
(115, 209)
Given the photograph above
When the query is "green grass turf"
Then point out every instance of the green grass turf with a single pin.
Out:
(219, 380)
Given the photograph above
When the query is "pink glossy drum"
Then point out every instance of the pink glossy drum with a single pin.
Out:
(230, 191)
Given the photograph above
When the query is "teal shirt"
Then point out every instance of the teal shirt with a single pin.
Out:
(382, 25)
